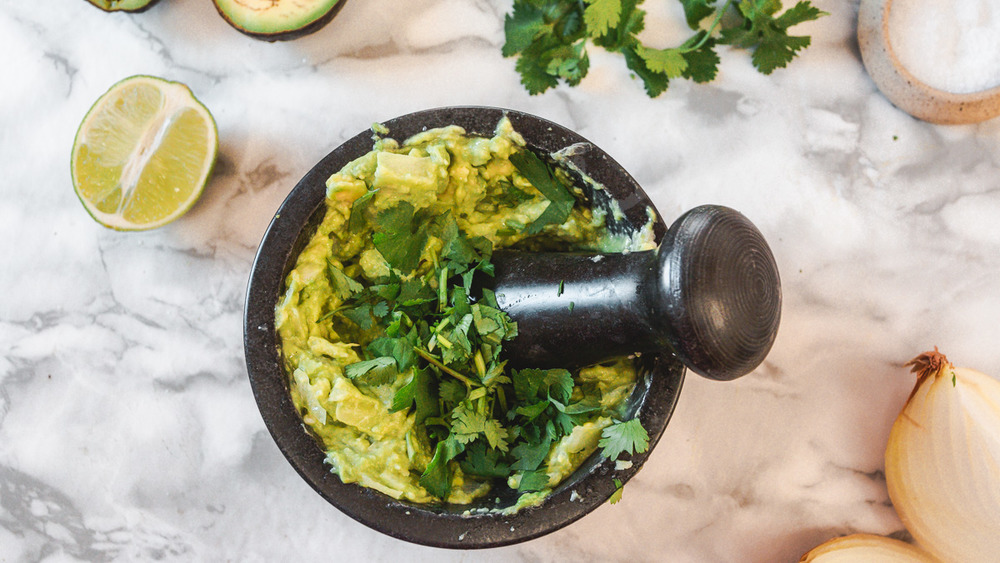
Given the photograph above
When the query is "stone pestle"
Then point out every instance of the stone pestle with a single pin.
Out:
(709, 293)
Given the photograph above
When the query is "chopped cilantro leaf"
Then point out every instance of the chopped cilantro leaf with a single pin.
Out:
(451, 392)
(420, 393)
(387, 291)
(531, 412)
(496, 435)
(460, 251)
(343, 286)
(541, 176)
(360, 315)
(378, 371)
(400, 236)
(509, 196)
(437, 477)
(535, 384)
(359, 212)
(467, 423)
(530, 455)
(399, 349)
(380, 309)
(628, 437)
(533, 481)
(560, 383)
(414, 292)
(485, 462)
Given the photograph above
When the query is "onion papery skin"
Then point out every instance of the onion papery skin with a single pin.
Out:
(866, 548)
(943, 465)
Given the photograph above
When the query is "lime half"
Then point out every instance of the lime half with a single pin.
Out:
(143, 154)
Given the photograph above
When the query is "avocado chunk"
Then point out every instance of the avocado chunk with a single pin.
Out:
(123, 5)
(278, 20)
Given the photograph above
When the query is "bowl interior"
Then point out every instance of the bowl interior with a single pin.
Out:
(452, 526)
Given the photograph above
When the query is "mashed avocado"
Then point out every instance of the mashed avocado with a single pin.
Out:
(393, 358)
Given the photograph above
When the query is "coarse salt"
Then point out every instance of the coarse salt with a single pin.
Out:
(951, 45)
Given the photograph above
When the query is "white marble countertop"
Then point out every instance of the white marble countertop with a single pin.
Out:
(128, 430)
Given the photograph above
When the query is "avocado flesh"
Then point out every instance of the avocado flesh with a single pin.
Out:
(123, 5)
(274, 20)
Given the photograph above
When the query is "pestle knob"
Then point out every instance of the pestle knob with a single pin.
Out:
(710, 294)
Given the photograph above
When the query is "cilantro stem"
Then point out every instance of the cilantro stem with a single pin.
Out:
(438, 364)
(333, 312)
(443, 289)
(480, 364)
(711, 29)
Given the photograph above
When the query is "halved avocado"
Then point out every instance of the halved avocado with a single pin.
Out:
(278, 20)
(123, 5)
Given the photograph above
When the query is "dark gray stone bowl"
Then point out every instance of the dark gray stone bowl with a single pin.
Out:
(590, 486)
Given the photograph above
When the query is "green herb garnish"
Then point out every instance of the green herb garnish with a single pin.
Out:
(551, 37)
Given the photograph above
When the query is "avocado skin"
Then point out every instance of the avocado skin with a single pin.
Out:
(285, 35)
(142, 8)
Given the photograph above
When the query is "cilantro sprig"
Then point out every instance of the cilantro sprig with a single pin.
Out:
(430, 331)
(551, 37)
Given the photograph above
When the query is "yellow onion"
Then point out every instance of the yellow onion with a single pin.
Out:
(866, 548)
(942, 463)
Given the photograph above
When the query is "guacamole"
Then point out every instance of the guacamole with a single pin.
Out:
(394, 353)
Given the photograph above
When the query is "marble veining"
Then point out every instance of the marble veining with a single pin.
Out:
(128, 430)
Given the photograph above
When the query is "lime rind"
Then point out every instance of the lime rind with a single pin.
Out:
(127, 144)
